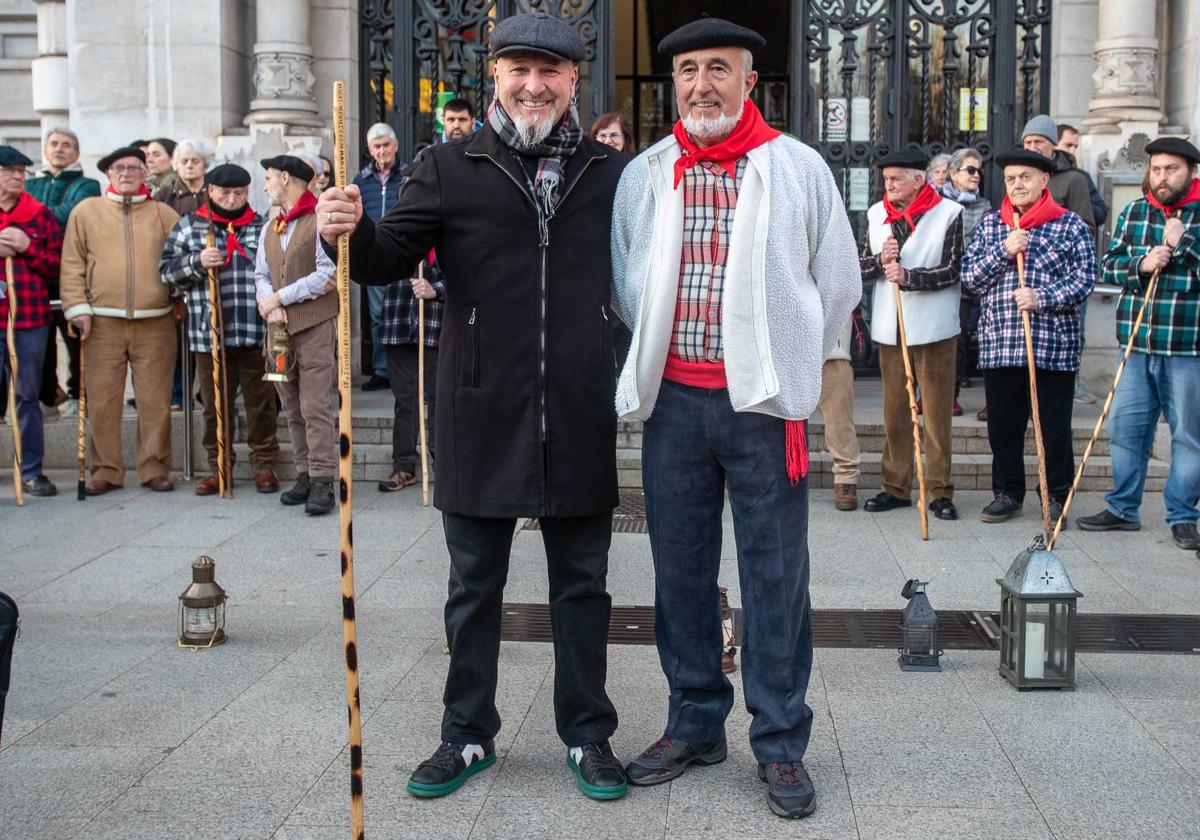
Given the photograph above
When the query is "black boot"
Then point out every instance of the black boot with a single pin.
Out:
(298, 494)
(320, 497)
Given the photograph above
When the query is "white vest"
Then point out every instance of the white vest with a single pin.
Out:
(928, 316)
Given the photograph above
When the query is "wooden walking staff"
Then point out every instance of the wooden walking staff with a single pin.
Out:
(216, 329)
(81, 433)
(346, 485)
(922, 507)
(421, 392)
(14, 421)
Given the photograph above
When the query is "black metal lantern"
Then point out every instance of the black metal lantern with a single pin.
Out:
(1037, 621)
(919, 649)
(202, 608)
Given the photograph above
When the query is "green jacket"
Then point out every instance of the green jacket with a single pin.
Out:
(63, 191)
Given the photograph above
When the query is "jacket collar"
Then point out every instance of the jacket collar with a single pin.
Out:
(666, 151)
(487, 143)
(67, 173)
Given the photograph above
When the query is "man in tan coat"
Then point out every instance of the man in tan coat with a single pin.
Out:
(112, 294)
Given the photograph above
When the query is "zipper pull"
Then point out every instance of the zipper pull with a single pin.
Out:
(472, 321)
(604, 311)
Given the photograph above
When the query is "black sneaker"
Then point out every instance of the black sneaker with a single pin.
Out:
(884, 502)
(1056, 512)
(1001, 509)
(943, 508)
(666, 759)
(597, 771)
(449, 768)
(1185, 535)
(298, 493)
(320, 497)
(376, 383)
(1107, 521)
(790, 791)
(39, 485)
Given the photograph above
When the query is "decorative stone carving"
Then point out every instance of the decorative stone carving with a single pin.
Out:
(1131, 157)
(1129, 71)
(283, 75)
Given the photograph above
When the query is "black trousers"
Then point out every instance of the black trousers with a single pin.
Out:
(1008, 405)
(50, 364)
(577, 560)
(402, 374)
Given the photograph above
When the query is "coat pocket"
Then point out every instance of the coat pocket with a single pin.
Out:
(470, 374)
(606, 364)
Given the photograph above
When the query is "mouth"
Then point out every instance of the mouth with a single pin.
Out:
(704, 105)
(535, 106)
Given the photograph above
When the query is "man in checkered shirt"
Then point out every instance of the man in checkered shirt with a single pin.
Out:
(1060, 270)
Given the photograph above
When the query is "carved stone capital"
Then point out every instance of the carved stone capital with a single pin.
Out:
(283, 75)
(1127, 72)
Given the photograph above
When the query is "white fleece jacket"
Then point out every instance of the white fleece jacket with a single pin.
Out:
(791, 279)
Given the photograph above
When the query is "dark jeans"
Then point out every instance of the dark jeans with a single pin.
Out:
(1008, 405)
(31, 348)
(577, 560)
(402, 374)
(694, 445)
(50, 362)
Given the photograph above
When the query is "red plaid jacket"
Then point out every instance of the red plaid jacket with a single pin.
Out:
(35, 273)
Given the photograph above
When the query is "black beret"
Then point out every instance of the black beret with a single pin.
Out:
(11, 157)
(227, 175)
(1174, 146)
(538, 32)
(709, 32)
(904, 159)
(112, 157)
(291, 165)
(1022, 157)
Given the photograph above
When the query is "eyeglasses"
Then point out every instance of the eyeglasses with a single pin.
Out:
(608, 135)
(14, 171)
(972, 170)
(128, 169)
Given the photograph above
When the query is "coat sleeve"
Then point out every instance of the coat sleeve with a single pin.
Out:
(1078, 200)
(633, 192)
(1099, 208)
(985, 261)
(179, 265)
(73, 274)
(834, 255)
(1119, 265)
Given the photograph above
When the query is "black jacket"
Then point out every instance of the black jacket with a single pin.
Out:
(1069, 188)
(526, 424)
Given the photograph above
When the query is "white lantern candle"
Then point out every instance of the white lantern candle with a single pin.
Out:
(1035, 650)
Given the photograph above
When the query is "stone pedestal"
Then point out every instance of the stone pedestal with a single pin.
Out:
(51, 83)
(1125, 81)
(283, 67)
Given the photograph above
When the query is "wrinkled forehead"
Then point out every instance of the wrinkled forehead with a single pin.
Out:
(1029, 171)
(533, 59)
(730, 57)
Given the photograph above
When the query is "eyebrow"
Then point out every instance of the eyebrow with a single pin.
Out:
(712, 61)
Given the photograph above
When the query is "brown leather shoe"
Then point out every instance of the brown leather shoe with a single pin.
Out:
(160, 484)
(845, 496)
(98, 487)
(210, 485)
(266, 482)
(397, 481)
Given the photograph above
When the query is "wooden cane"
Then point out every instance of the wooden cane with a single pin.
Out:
(346, 486)
(81, 432)
(922, 507)
(13, 420)
(216, 336)
(421, 392)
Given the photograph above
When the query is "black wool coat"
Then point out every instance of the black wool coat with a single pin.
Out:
(526, 424)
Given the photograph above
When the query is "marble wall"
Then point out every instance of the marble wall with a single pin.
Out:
(19, 123)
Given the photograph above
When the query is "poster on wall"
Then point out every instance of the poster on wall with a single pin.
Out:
(858, 194)
(972, 109)
(844, 119)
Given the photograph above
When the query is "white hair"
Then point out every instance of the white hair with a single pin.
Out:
(65, 132)
(313, 160)
(379, 131)
(196, 147)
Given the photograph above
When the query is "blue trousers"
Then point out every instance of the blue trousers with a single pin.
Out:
(694, 446)
(31, 350)
(375, 296)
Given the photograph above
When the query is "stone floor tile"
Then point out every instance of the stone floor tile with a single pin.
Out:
(930, 822)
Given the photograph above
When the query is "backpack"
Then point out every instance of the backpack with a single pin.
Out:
(10, 624)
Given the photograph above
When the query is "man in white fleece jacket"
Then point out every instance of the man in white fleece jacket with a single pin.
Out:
(734, 266)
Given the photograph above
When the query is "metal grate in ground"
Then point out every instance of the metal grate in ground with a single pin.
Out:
(628, 518)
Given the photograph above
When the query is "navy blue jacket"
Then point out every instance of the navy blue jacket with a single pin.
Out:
(378, 198)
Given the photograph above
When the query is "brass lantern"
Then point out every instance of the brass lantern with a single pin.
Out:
(202, 608)
(281, 363)
(919, 650)
(1037, 621)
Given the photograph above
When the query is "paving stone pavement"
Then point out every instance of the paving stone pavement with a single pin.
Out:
(112, 731)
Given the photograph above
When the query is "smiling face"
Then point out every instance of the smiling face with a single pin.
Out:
(535, 91)
(711, 87)
(1025, 185)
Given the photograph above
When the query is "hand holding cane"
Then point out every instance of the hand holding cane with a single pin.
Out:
(922, 507)
(421, 392)
(216, 335)
(11, 292)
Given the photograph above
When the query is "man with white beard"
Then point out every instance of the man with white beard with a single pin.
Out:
(732, 314)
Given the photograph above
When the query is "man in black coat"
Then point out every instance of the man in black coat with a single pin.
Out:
(520, 215)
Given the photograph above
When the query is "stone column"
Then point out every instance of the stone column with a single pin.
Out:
(51, 83)
(283, 66)
(1125, 82)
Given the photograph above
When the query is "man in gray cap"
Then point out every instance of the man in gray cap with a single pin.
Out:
(1068, 186)
(520, 215)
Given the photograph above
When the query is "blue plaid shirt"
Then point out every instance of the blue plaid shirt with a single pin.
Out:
(1060, 265)
(398, 320)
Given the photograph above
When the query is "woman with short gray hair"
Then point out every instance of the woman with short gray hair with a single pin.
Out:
(936, 172)
(185, 193)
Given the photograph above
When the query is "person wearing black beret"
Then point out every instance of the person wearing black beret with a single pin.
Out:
(1159, 232)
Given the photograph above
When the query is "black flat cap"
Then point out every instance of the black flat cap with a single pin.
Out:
(538, 32)
(291, 165)
(709, 32)
(904, 159)
(228, 175)
(1174, 146)
(1021, 157)
(112, 157)
(12, 157)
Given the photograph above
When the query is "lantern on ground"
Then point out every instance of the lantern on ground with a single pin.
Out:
(919, 649)
(1037, 621)
(202, 608)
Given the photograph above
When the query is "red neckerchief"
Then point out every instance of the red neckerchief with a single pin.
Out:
(1193, 194)
(927, 198)
(231, 226)
(1043, 210)
(307, 203)
(750, 132)
(143, 191)
(24, 211)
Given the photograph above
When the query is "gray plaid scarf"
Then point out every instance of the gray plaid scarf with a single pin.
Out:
(559, 145)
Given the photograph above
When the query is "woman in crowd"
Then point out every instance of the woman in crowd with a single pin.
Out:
(185, 193)
(612, 129)
(158, 160)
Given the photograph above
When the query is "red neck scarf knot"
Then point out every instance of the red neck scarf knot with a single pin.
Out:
(926, 199)
(750, 132)
(307, 203)
(1043, 210)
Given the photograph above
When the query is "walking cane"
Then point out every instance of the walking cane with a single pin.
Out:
(216, 334)
(346, 485)
(81, 433)
(1043, 487)
(912, 407)
(12, 385)
(421, 392)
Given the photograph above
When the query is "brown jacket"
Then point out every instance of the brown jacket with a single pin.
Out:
(110, 258)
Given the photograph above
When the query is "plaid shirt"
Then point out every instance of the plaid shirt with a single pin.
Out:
(709, 199)
(35, 273)
(944, 274)
(1172, 323)
(1060, 266)
(398, 320)
(181, 270)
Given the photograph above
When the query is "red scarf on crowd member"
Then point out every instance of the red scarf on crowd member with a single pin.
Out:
(144, 192)
(307, 203)
(927, 198)
(1193, 194)
(24, 211)
(750, 132)
(1043, 210)
(231, 225)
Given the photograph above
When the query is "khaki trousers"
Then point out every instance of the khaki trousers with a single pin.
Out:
(933, 371)
(244, 370)
(307, 401)
(147, 347)
(837, 408)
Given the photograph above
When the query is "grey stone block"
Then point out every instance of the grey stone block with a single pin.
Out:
(929, 822)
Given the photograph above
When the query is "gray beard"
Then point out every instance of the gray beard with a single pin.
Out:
(705, 128)
(531, 133)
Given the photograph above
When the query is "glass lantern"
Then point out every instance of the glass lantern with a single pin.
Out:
(1037, 621)
(919, 649)
(202, 608)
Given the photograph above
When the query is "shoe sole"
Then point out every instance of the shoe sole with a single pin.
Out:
(593, 792)
(993, 518)
(846, 505)
(886, 509)
(434, 791)
(1083, 525)
(704, 760)
(291, 503)
(779, 811)
(317, 512)
(388, 488)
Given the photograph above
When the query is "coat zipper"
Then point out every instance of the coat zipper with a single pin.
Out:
(129, 256)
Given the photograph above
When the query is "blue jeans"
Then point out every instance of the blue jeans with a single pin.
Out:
(375, 296)
(1154, 385)
(693, 446)
(31, 350)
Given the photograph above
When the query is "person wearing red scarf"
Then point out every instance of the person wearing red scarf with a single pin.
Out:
(732, 304)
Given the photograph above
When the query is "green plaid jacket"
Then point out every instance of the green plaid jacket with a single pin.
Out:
(1172, 323)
